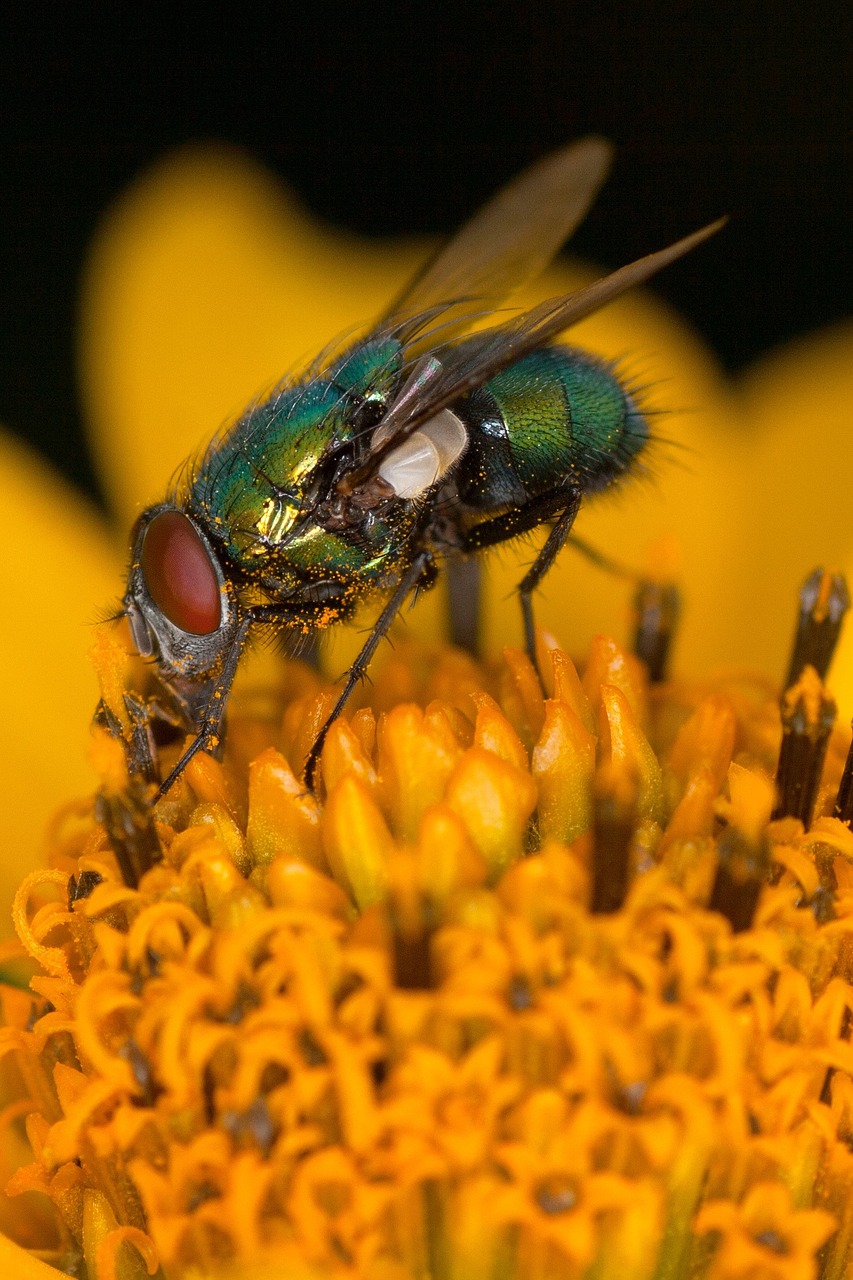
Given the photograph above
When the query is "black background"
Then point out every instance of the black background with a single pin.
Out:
(403, 118)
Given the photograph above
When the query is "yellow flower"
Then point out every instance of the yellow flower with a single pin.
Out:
(538, 987)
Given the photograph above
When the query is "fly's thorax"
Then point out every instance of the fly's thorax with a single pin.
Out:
(558, 416)
(268, 494)
(181, 607)
(252, 487)
(265, 477)
(369, 371)
(363, 552)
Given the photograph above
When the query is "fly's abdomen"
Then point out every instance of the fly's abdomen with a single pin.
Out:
(559, 417)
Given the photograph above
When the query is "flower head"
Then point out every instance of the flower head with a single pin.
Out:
(496, 1000)
(549, 985)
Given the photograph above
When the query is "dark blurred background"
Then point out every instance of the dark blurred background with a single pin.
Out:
(392, 118)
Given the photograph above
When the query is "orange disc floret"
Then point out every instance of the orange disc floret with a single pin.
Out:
(537, 983)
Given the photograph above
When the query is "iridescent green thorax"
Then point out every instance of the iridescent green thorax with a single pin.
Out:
(256, 486)
(370, 371)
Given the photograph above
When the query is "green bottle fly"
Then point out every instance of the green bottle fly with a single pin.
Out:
(421, 444)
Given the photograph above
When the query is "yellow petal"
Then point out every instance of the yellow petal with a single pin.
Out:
(495, 800)
(563, 763)
(797, 402)
(57, 574)
(357, 841)
(19, 1264)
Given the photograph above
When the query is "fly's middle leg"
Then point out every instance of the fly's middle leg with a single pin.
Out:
(546, 557)
(562, 504)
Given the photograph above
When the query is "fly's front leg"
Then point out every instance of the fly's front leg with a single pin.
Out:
(125, 813)
(413, 575)
(209, 728)
(211, 719)
(140, 753)
(564, 504)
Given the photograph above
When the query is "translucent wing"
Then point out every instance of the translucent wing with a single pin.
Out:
(454, 369)
(510, 241)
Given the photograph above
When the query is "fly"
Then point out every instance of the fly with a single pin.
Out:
(421, 443)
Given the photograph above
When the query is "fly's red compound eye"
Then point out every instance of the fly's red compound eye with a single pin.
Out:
(179, 575)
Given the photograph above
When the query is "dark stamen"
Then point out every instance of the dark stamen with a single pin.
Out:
(824, 600)
(465, 590)
(808, 714)
(80, 888)
(556, 1195)
(143, 1073)
(311, 1049)
(412, 968)
(520, 992)
(253, 1126)
(741, 872)
(657, 606)
(844, 801)
(614, 798)
(126, 817)
(772, 1241)
(822, 901)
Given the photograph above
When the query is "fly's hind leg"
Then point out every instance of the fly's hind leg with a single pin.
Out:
(562, 506)
(603, 561)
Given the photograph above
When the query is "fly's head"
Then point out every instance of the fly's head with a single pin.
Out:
(182, 610)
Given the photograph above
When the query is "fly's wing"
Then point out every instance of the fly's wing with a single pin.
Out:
(510, 241)
(470, 363)
(453, 370)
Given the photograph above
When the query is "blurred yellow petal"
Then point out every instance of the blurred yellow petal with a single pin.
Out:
(798, 405)
(19, 1264)
(57, 572)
